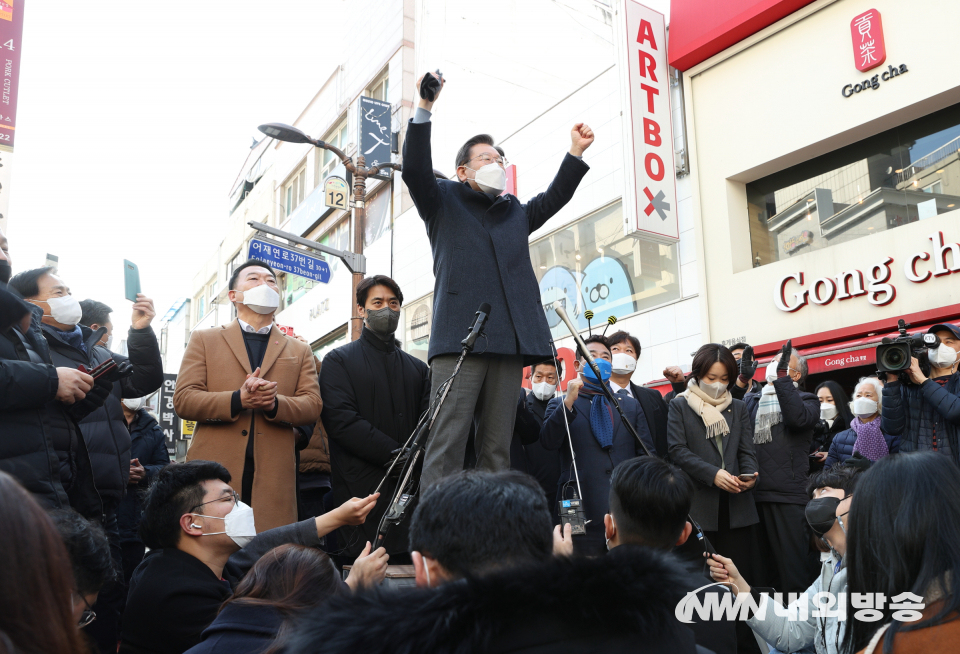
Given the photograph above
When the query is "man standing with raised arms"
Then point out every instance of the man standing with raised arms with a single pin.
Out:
(481, 254)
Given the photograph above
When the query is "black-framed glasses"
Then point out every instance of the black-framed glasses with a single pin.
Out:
(88, 614)
(232, 497)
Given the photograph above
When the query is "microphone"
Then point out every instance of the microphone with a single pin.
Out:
(481, 319)
(558, 307)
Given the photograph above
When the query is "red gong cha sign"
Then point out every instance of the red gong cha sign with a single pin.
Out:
(867, 33)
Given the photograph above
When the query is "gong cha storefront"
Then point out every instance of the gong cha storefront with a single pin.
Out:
(825, 156)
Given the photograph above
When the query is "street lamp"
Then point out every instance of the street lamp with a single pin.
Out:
(360, 172)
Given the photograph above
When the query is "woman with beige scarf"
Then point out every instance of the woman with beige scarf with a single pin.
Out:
(711, 439)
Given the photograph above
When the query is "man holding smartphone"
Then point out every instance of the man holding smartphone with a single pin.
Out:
(479, 238)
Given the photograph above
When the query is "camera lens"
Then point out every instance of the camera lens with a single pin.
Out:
(893, 358)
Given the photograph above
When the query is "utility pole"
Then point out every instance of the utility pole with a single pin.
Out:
(360, 173)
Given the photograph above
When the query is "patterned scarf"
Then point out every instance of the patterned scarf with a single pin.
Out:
(768, 415)
(601, 413)
(870, 441)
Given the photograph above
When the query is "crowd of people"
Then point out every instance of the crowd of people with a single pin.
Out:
(270, 536)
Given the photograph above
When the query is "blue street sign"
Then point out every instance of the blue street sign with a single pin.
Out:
(288, 260)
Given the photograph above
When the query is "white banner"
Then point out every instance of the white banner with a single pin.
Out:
(650, 198)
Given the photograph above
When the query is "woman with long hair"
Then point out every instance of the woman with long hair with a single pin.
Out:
(835, 417)
(904, 537)
(38, 598)
(286, 582)
(710, 437)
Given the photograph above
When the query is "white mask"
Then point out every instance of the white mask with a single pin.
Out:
(262, 299)
(491, 179)
(623, 363)
(828, 411)
(109, 342)
(543, 390)
(864, 407)
(65, 310)
(714, 390)
(134, 403)
(943, 357)
(238, 524)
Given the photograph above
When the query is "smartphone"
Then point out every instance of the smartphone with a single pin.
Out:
(131, 280)
(745, 477)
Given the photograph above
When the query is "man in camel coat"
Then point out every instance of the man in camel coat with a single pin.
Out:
(248, 385)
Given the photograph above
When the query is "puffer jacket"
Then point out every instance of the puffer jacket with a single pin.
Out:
(40, 443)
(149, 445)
(105, 430)
(842, 447)
(784, 462)
(918, 413)
(315, 457)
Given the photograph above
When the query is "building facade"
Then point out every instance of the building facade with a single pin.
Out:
(824, 167)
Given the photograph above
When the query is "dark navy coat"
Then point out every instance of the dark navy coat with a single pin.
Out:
(481, 254)
(918, 413)
(594, 464)
(527, 454)
(149, 445)
(240, 629)
(841, 448)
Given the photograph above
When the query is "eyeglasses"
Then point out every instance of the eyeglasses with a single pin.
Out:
(232, 497)
(486, 159)
(88, 615)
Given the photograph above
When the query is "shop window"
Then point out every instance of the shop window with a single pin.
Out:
(591, 265)
(417, 319)
(378, 216)
(894, 178)
(330, 342)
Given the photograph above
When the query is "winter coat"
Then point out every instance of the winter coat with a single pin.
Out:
(841, 448)
(594, 464)
(240, 629)
(105, 430)
(40, 443)
(174, 596)
(823, 633)
(214, 366)
(939, 637)
(824, 433)
(149, 445)
(527, 454)
(374, 394)
(655, 410)
(611, 604)
(699, 457)
(785, 460)
(481, 254)
(917, 413)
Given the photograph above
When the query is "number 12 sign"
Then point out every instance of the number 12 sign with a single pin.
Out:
(336, 192)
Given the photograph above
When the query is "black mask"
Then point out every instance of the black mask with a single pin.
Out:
(5, 271)
(383, 321)
(821, 513)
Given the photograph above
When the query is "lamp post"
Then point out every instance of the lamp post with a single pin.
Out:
(360, 172)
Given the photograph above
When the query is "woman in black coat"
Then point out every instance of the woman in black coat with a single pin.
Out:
(284, 584)
(835, 417)
(704, 421)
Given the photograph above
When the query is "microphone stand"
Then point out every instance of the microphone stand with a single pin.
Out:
(414, 447)
(613, 400)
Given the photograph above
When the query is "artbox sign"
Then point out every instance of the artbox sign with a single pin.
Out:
(793, 291)
(650, 207)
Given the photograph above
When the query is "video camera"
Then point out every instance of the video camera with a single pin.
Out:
(895, 354)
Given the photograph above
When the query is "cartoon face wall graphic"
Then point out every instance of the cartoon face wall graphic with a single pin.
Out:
(606, 289)
(558, 283)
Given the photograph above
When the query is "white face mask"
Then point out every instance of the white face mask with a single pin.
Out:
(491, 179)
(828, 411)
(714, 390)
(65, 310)
(543, 390)
(623, 363)
(864, 407)
(262, 299)
(943, 357)
(134, 403)
(238, 524)
(109, 342)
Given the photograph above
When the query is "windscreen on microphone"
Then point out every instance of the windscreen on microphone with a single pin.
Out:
(484, 308)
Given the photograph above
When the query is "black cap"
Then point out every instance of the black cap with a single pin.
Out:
(945, 325)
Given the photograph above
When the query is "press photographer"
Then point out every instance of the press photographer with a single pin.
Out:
(925, 410)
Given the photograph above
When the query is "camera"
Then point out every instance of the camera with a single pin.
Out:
(896, 354)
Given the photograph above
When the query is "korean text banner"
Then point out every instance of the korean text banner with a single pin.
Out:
(289, 260)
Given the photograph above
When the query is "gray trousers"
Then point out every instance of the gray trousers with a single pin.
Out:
(484, 393)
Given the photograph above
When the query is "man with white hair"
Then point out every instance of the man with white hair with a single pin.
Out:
(784, 417)
(865, 435)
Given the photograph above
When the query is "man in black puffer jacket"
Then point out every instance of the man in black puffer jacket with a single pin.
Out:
(784, 417)
(104, 430)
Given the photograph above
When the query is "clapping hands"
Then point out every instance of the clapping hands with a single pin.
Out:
(256, 393)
